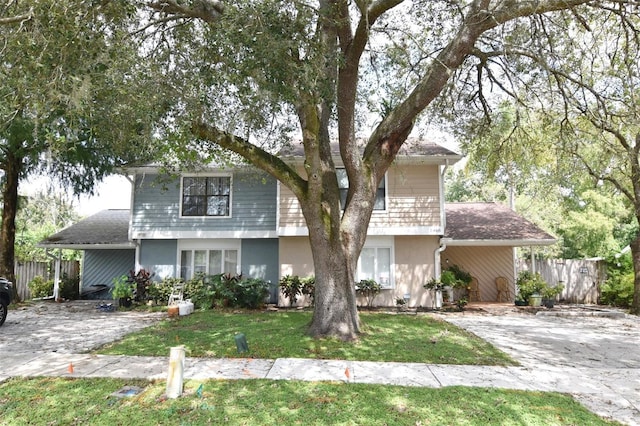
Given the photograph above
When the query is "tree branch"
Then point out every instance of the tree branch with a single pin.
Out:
(18, 18)
(255, 155)
(207, 10)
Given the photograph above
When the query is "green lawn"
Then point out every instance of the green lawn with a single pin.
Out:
(386, 337)
(58, 401)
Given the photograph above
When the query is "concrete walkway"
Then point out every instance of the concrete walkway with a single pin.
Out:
(551, 358)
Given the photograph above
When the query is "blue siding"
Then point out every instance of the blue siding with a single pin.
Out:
(159, 257)
(102, 266)
(260, 260)
(156, 205)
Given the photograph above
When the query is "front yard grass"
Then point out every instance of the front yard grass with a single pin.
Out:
(63, 401)
(386, 337)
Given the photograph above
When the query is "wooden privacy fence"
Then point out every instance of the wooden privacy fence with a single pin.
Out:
(581, 278)
(27, 271)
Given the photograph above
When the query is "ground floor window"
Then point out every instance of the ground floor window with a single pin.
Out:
(375, 264)
(209, 262)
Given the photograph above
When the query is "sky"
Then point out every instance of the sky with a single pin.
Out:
(114, 192)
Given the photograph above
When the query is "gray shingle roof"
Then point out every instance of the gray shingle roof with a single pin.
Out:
(411, 148)
(467, 224)
(106, 229)
(491, 223)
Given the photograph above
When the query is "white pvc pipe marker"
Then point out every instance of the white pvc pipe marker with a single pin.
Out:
(176, 372)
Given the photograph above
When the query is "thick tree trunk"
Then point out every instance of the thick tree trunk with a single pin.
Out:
(335, 312)
(8, 230)
(635, 253)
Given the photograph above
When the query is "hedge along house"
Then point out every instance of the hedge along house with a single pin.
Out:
(240, 220)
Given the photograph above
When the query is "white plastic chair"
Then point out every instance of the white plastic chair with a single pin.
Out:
(177, 293)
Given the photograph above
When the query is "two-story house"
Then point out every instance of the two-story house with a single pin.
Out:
(241, 220)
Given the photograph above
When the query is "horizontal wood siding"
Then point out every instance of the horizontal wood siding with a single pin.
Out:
(156, 205)
(484, 263)
(159, 257)
(260, 260)
(290, 211)
(413, 196)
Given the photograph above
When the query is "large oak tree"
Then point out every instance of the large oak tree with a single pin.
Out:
(244, 67)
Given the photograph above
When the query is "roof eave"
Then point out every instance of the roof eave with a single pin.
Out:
(498, 243)
(71, 246)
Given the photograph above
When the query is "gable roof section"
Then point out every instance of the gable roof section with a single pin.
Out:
(108, 229)
(412, 150)
(482, 224)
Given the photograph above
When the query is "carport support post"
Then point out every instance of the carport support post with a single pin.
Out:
(176, 372)
(56, 273)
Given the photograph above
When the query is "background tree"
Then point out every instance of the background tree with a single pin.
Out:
(39, 216)
(246, 67)
(587, 90)
(75, 99)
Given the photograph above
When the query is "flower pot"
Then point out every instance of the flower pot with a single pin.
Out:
(173, 311)
(125, 302)
(438, 299)
(521, 302)
(535, 300)
(549, 303)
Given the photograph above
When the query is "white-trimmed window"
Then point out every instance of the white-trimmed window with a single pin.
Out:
(343, 184)
(376, 263)
(206, 196)
(219, 257)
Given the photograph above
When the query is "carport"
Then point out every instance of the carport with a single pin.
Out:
(481, 238)
(107, 251)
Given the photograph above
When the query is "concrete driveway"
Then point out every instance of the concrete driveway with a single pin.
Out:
(70, 327)
(595, 358)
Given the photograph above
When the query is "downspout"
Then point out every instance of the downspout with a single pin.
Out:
(436, 259)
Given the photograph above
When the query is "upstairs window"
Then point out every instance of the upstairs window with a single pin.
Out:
(206, 196)
(343, 184)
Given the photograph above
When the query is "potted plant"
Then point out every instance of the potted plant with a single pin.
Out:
(530, 287)
(436, 286)
(460, 281)
(549, 294)
(122, 291)
(401, 303)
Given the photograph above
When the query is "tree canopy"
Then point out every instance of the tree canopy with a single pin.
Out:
(75, 98)
(255, 75)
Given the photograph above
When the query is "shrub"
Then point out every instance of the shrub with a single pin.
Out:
(528, 284)
(122, 288)
(142, 282)
(309, 288)
(368, 289)
(252, 293)
(462, 277)
(39, 287)
(159, 291)
(618, 288)
(69, 287)
(291, 287)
